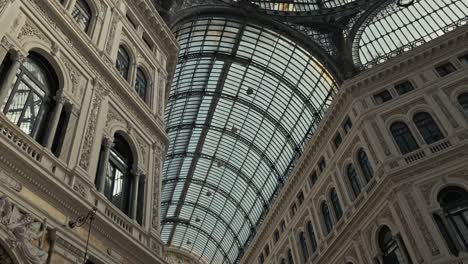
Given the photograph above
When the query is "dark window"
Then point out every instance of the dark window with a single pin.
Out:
(29, 100)
(82, 14)
(283, 261)
(267, 251)
(261, 259)
(464, 58)
(300, 197)
(131, 20)
(327, 220)
(365, 165)
(348, 124)
(303, 244)
(118, 177)
(141, 84)
(353, 180)
(313, 177)
(427, 127)
(148, 41)
(123, 62)
(403, 137)
(382, 97)
(445, 69)
(391, 254)
(404, 87)
(322, 164)
(60, 133)
(313, 240)
(293, 209)
(336, 204)
(283, 226)
(290, 257)
(276, 236)
(454, 202)
(338, 140)
(463, 101)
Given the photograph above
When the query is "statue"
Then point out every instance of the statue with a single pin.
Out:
(26, 230)
(5, 210)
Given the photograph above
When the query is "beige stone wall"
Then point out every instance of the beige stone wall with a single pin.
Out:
(102, 102)
(403, 192)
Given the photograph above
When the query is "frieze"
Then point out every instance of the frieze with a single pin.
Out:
(10, 182)
(113, 29)
(31, 30)
(76, 79)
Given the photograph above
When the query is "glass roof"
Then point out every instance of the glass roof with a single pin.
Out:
(298, 5)
(243, 102)
(394, 30)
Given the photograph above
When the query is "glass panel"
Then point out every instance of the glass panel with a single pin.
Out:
(82, 14)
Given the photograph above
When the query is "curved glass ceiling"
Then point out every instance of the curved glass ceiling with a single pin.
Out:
(298, 5)
(243, 103)
(394, 30)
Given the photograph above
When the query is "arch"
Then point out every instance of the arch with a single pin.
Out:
(462, 100)
(403, 137)
(83, 13)
(142, 84)
(30, 99)
(389, 247)
(121, 130)
(303, 246)
(312, 237)
(427, 127)
(335, 200)
(353, 180)
(124, 61)
(365, 165)
(326, 217)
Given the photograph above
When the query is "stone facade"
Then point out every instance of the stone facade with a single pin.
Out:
(42, 191)
(402, 194)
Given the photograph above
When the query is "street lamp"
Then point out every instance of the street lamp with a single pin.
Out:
(80, 221)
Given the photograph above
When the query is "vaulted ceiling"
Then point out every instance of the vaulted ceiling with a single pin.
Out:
(253, 81)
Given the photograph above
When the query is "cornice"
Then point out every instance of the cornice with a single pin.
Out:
(350, 90)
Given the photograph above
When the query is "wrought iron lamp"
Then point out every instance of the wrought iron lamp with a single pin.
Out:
(80, 221)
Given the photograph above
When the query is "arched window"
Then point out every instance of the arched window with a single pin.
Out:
(30, 98)
(311, 233)
(118, 175)
(353, 180)
(123, 62)
(391, 253)
(365, 165)
(141, 84)
(327, 220)
(463, 101)
(336, 204)
(290, 257)
(427, 127)
(303, 244)
(82, 14)
(454, 202)
(403, 137)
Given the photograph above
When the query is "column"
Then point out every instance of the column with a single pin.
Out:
(5, 85)
(135, 189)
(3, 52)
(53, 124)
(108, 143)
(402, 248)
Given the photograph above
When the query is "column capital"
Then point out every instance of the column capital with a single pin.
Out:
(108, 142)
(17, 56)
(61, 98)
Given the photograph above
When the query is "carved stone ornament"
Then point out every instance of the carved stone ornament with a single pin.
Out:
(24, 232)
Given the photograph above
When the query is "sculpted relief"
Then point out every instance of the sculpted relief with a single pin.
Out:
(25, 234)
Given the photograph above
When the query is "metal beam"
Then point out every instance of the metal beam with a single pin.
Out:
(247, 62)
(199, 230)
(219, 95)
(213, 214)
(212, 187)
(228, 165)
